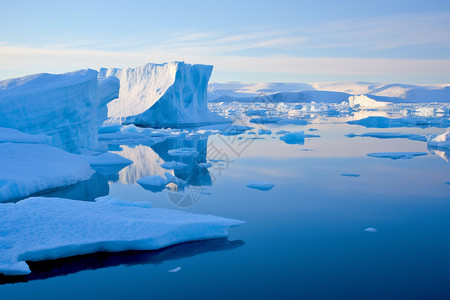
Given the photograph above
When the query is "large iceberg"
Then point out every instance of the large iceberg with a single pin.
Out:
(68, 107)
(162, 95)
(48, 228)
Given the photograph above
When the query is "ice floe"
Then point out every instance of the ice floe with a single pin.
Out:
(441, 141)
(264, 131)
(370, 229)
(350, 175)
(392, 135)
(37, 229)
(184, 152)
(397, 155)
(260, 185)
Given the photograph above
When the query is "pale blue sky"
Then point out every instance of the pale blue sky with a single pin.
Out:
(251, 41)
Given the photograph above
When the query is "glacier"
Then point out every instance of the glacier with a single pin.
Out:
(68, 107)
(162, 95)
(38, 229)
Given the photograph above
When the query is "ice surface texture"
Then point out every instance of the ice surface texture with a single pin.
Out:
(159, 95)
(48, 228)
(68, 107)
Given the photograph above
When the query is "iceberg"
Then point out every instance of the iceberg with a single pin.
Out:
(441, 141)
(162, 95)
(31, 168)
(397, 155)
(38, 229)
(68, 107)
(363, 101)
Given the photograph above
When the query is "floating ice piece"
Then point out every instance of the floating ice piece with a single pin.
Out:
(183, 152)
(265, 120)
(364, 101)
(204, 165)
(174, 179)
(391, 135)
(350, 175)
(49, 228)
(173, 165)
(177, 269)
(107, 159)
(370, 229)
(264, 131)
(397, 155)
(153, 180)
(161, 95)
(441, 141)
(294, 138)
(383, 122)
(69, 107)
(260, 185)
(10, 135)
(282, 132)
(31, 168)
(313, 129)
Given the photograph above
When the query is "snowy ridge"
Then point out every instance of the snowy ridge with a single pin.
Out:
(323, 92)
(48, 228)
(169, 94)
(66, 107)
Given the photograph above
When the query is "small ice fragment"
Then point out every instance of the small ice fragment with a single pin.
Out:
(264, 131)
(396, 155)
(370, 229)
(177, 269)
(350, 175)
(260, 185)
(204, 165)
(173, 165)
(282, 132)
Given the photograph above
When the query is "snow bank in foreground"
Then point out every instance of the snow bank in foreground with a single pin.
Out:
(66, 107)
(169, 94)
(48, 228)
(441, 141)
(30, 168)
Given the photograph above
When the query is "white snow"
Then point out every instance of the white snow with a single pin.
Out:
(397, 155)
(169, 94)
(260, 185)
(49, 228)
(204, 165)
(441, 141)
(173, 165)
(30, 168)
(184, 152)
(10, 135)
(68, 107)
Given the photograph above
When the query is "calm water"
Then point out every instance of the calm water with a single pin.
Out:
(304, 239)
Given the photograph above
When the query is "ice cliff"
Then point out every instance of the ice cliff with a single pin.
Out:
(162, 95)
(68, 107)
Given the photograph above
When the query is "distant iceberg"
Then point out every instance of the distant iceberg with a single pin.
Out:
(68, 107)
(162, 95)
(38, 229)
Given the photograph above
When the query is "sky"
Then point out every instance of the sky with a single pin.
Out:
(248, 41)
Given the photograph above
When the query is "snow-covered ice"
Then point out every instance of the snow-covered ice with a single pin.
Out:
(441, 141)
(161, 95)
(397, 155)
(363, 101)
(260, 185)
(30, 168)
(68, 107)
(183, 152)
(153, 180)
(10, 135)
(107, 159)
(37, 229)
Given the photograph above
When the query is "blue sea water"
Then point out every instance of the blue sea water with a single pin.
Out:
(303, 239)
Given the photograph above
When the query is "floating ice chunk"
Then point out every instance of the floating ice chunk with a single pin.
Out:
(260, 185)
(174, 179)
(370, 229)
(391, 135)
(10, 135)
(107, 159)
(282, 132)
(192, 152)
(177, 269)
(264, 131)
(161, 95)
(364, 101)
(69, 107)
(204, 165)
(441, 141)
(350, 175)
(173, 165)
(265, 120)
(153, 180)
(383, 122)
(30, 168)
(38, 229)
(397, 155)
